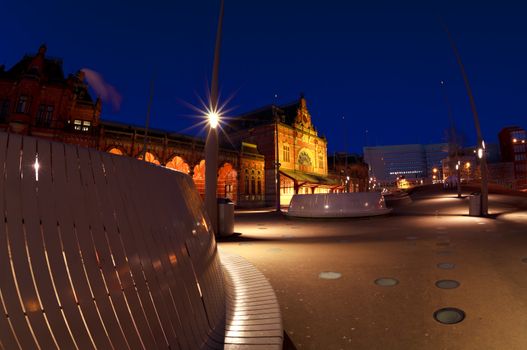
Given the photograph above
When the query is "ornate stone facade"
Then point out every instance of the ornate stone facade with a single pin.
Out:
(288, 140)
(36, 99)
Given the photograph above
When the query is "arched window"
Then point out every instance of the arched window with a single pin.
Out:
(253, 185)
(259, 187)
(246, 185)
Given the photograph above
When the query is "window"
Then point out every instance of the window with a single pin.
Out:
(246, 185)
(4, 108)
(22, 105)
(321, 161)
(81, 125)
(286, 153)
(44, 115)
(259, 187)
(253, 185)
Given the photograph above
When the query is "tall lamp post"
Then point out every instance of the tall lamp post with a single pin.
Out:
(458, 172)
(211, 144)
(484, 208)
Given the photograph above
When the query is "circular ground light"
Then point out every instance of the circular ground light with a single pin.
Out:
(447, 284)
(449, 315)
(274, 250)
(386, 282)
(329, 275)
(444, 253)
(446, 266)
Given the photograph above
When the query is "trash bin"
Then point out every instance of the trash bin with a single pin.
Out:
(474, 202)
(225, 217)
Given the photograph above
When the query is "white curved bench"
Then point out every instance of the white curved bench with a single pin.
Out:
(335, 205)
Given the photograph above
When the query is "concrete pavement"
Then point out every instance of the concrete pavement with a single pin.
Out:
(323, 272)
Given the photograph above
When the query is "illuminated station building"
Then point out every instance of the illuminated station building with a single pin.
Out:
(37, 99)
(295, 155)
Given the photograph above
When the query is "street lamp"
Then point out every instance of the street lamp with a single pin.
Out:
(211, 144)
(481, 143)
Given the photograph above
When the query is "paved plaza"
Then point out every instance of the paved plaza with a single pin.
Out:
(324, 273)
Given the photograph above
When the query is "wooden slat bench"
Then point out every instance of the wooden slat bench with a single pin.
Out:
(253, 319)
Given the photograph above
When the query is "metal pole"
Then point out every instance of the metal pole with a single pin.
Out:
(481, 144)
(458, 166)
(211, 144)
(454, 137)
(277, 169)
(147, 121)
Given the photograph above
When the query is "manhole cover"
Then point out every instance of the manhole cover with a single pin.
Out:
(446, 266)
(449, 315)
(447, 284)
(329, 275)
(262, 228)
(386, 281)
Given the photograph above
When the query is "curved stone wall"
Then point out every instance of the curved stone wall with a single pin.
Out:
(101, 251)
(354, 204)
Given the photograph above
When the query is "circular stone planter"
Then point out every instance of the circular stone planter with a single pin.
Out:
(449, 315)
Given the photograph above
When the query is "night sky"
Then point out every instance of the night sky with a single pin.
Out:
(370, 70)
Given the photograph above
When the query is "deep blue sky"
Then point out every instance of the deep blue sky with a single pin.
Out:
(377, 64)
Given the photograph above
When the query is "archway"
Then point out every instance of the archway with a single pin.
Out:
(178, 164)
(227, 182)
(116, 151)
(199, 177)
(149, 157)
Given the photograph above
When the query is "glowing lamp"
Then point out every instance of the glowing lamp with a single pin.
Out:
(214, 119)
(36, 166)
(480, 153)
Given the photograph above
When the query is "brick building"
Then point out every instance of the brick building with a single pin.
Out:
(37, 99)
(513, 149)
(350, 170)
